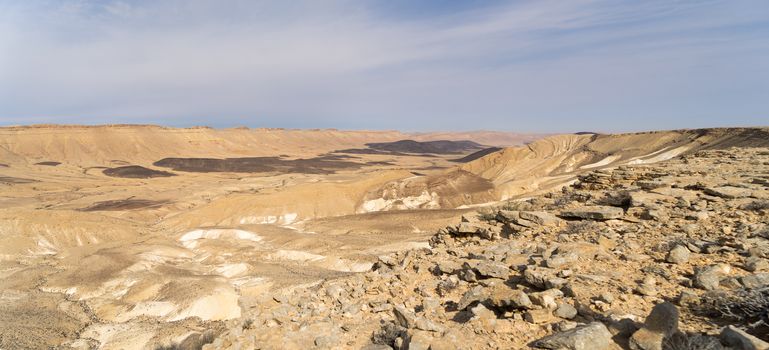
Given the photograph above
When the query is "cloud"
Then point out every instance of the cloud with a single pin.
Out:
(527, 65)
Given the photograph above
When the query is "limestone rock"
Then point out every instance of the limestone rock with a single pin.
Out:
(565, 311)
(709, 277)
(486, 268)
(728, 192)
(504, 296)
(540, 217)
(661, 323)
(594, 213)
(678, 255)
(756, 280)
(733, 336)
(755, 263)
(593, 336)
(538, 316)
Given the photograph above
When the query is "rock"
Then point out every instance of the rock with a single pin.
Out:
(540, 217)
(678, 255)
(538, 277)
(408, 320)
(467, 228)
(559, 260)
(547, 298)
(593, 336)
(404, 317)
(733, 336)
(687, 298)
(606, 297)
(755, 263)
(325, 341)
(729, 192)
(508, 216)
(487, 268)
(708, 278)
(476, 293)
(648, 287)
(594, 213)
(565, 311)
(538, 316)
(447, 266)
(661, 323)
(376, 347)
(754, 281)
(504, 296)
(418, 341)
(481, 312)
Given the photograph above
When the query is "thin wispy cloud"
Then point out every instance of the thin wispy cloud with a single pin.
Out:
(524, 65)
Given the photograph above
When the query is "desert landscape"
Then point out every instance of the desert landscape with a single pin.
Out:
(384, 175)
(139, 236)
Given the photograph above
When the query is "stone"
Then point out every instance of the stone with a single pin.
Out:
(504, 296)
(709, 277)
(565, 311)
(648, 287)
(447, 266)
(481, 312)
(755, 263)
(559, 260)
(594, 213)
(377, 347)
(547, 298)
(467, 228)
(487, 268)
(733, 336)
(661, 323)
(408, 320)
(729, 192)
(538, 316)
(754, 281)
(678, 255)
(538, 277)
(540, 217)
(687, 298)
(508, 216)
(606, 297)
(593, 336)
(418, 341)
(325, 341)
(404, 317)
(476, 293)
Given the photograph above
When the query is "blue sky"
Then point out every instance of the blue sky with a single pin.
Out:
(529, 66)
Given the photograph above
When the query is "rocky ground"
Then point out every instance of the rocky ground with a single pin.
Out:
(672, 255)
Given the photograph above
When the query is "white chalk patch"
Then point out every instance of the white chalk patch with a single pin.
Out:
(294, 255)
(606, 161)
(221, 305)
(659, 157)
(232, 270)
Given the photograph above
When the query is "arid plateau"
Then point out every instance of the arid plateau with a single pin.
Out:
(140, 236)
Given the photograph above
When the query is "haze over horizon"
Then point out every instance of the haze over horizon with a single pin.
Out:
(525, 66)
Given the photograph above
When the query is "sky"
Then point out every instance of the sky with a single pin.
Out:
(527, 66)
